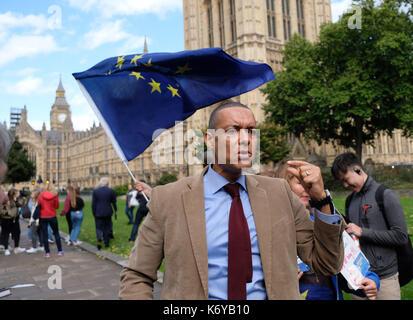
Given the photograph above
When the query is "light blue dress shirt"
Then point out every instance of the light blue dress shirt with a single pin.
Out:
(217, 207)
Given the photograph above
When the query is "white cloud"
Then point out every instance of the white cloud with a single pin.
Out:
(18, 46)
(111, 32)
(133, 44)
(10, 20)
(106, 33)
(82, 114)
(28, 86)
(109, 8)
(338, 8)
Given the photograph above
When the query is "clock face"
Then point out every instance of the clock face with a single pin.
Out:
(62, 117)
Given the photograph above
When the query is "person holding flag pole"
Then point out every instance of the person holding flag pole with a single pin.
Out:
(210, 243)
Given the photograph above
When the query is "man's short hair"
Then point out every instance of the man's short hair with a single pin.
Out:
(213, 119)
(344, 161)
(5, 143)
(104, 182)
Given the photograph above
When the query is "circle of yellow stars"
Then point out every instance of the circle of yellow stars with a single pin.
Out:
(155, 86)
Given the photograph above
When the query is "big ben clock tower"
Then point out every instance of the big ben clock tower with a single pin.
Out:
(60, 115)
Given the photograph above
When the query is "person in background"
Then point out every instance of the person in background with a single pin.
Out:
(140, 214)
(76, 209)
(11, 221)
(103, 207)
(48, 203)
(131, 203)
(5, 144)
(380, 229)
(316, 286)
(34, 227)
(67, 213)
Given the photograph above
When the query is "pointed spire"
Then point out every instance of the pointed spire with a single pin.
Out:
(60, 87)
(145, 47)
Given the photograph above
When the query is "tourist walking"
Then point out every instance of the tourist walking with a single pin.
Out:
(66, 211)
(10, 221)
(131, 203)
(103, 207)
(34, 227)
(76, 213)
(46, 210)
(140, 214)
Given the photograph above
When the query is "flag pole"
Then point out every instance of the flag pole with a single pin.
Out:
(125, 162)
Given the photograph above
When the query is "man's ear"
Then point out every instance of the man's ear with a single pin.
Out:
(209, 139)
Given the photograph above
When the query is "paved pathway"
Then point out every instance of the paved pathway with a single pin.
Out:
(86, 273)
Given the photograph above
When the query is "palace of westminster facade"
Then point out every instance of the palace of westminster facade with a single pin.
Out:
(250, 30)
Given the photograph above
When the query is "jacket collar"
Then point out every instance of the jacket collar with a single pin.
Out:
(367, 185)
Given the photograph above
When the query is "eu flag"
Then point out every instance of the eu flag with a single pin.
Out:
(135, 95)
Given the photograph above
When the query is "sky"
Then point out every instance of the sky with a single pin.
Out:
(42, 40)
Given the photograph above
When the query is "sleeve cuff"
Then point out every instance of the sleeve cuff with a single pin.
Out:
(329, 218)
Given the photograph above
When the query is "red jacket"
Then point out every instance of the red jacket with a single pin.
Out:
(49, 203)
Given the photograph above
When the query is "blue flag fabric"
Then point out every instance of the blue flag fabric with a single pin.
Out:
(135, 95)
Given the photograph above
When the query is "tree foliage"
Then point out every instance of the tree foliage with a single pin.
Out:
(20, 168)
(167, 178)
(351, 83)
(273, 143)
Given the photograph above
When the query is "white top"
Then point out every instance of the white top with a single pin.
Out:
(133, 202)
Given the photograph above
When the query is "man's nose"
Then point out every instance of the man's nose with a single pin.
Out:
(244, 137)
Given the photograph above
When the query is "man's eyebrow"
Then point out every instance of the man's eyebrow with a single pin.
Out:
(238, 127)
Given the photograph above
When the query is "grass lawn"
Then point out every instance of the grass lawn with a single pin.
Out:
(122, 231)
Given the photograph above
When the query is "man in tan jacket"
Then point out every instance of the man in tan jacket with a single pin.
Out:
(189, 226)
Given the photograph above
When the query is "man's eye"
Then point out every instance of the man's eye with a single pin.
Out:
(231, 131)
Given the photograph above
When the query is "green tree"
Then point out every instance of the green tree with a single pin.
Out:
(351, 83)
(273, 143)
(167, 178)
(20, 168)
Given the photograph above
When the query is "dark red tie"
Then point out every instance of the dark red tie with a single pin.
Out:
(239, 248)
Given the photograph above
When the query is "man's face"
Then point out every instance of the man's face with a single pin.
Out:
(299, 190)
(351, 180)
(234, 139)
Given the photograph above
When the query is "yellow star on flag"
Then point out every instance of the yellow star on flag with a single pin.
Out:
(182, 69)
(137, 75)
(149, 64)
(121, 60)
(135, 59)
(173, 91)
(155, 86)
(304, 295)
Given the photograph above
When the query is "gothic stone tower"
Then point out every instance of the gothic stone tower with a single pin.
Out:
(60, 115)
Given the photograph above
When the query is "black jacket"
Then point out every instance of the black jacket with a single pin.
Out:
(103, 202)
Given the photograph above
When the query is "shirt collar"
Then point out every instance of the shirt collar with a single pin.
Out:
(213, 181)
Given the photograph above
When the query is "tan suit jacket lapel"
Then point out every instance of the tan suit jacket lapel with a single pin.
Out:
(259, 203)
(194, 206)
